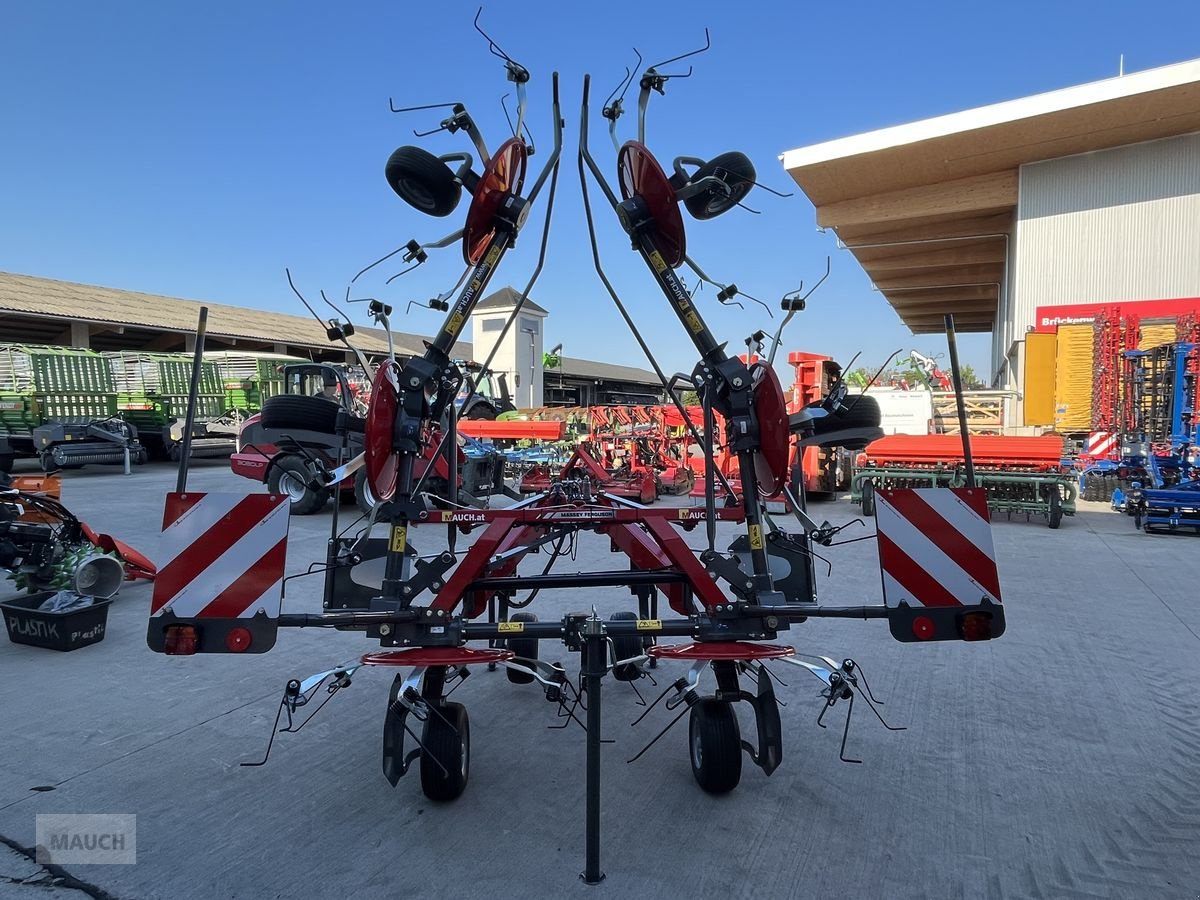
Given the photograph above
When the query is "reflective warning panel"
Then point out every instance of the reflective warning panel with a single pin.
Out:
(938, 564)
(222, 570)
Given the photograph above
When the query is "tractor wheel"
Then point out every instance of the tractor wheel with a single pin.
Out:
(525, 648)
(289, 476)
(626, 648)
(1055, 514)
(6, 462)
(366, 500)
(423, 181)
(447, 740)
(868, 497)
(1137, 518)
(715, 742)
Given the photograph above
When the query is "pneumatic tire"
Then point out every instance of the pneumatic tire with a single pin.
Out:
(296, 411)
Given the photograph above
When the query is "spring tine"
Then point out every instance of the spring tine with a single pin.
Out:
(659, 735)
(309, 718)
(679, 684)
(271, 740)
(846, 733)
(432, 756)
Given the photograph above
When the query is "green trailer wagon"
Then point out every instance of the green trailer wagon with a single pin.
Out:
(152, 394)
(60, 405)
(249, 378)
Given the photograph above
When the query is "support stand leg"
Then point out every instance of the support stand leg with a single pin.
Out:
(595, 667)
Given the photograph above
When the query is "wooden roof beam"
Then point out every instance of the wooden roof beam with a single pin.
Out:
(932, 256)
(963, 196)
(900, 298)
(937, 324)
(929, 228)
(973, 276)
(966, 307)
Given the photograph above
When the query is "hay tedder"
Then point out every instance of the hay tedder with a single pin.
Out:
(438, 616)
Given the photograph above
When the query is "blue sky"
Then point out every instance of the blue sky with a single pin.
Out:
(195, 150)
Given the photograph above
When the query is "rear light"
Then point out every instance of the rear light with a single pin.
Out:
(237, 640)
(181, 640)
(975, 626)
(923, 628)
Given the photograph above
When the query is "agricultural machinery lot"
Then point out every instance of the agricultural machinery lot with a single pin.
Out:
(1059, 761)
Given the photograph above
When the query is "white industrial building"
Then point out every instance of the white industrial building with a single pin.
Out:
(1085, 195)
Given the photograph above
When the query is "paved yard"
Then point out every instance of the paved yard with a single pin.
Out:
(1062, 760)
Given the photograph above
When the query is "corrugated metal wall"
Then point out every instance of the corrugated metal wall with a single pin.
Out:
(1121, 224)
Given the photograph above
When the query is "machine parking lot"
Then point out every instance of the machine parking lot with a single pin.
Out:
(1058, 762)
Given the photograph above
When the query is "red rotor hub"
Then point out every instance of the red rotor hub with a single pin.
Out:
(770, 408)
(503, 177)
(641, 176)
(382, 461)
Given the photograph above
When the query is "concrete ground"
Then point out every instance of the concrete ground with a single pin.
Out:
(1062, 760)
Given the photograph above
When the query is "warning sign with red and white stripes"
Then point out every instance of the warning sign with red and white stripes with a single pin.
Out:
(1102, 444)
(935, 547)
(223, 556)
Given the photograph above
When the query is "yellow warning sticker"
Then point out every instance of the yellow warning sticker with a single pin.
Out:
(512, 626)
(399, 538)
(694, 323)
(455, 323)
(493, 255)
(649, 624)
(756, 541)
(660, 264)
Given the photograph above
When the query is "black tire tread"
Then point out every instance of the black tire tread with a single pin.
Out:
(526, 648)
(626, 648)
(410, 164)
(300, 412)
(721, 745)
(312, 502)
(739, 175)
(441, 739)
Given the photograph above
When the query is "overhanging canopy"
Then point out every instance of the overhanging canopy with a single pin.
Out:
(928, 208)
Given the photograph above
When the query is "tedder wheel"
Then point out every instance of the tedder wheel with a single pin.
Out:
(423, 181)
(525, 648)
(626, 648)
(289, 475)
(715, 742)
(447, 739)
(1054, 516)
(868, 497)
(736, 170)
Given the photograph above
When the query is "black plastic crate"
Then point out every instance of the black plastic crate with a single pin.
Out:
(54, 630)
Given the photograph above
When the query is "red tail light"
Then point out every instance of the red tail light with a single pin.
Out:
(237, 640)
(923, 628)
(975, 626)
(180, 640)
